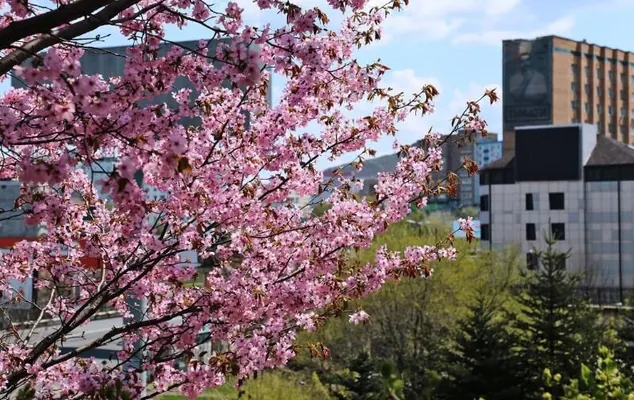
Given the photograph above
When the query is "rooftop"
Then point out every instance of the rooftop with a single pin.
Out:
(606, 152)
(570, 40)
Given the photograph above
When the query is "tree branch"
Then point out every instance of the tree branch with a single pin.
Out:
(91, 22)
(44, 23)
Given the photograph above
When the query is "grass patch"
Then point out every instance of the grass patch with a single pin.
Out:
(271, 385)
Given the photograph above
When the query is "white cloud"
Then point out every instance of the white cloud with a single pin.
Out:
(406, 81)
(252, 15)
(562, 26)
(448, 104)
(492, 113)
(433, 19)
(415, 127)
(501, 7)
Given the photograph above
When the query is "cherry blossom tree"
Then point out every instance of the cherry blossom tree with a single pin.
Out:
(275, 269)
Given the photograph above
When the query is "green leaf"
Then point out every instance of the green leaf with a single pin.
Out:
(586, 375)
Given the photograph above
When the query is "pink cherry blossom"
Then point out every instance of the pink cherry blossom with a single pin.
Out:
(221, 189)
(465, 224)
(359, 317)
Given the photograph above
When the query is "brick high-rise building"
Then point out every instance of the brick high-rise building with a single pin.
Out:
(553, 80)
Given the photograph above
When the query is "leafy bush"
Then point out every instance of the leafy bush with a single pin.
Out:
(605, 382)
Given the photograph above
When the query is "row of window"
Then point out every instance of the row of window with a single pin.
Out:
(574, 87)
(575, 105)
(557, 230)
(611, 127)
(611, 75)
(555, 201)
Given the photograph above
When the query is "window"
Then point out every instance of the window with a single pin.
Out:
(623, 95)
(599, 71)
(484, 178)
(574, 68)
(599, 91)
(623, 112)
(611, 128)
(485, 233)
(623, 78)
(531, 261)
(484, 203)
(610, 110)
(529, 201)
(598, 108)
(587, 68)
(558, 230)
(586, 88)
(611, 93)
(587, 107)
(556, 201)
(610, 75)
(575, 104)
(632, 79)
(573, 86)
(531, 234)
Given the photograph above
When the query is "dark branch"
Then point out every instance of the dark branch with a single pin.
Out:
(44, 23)
(91, 22)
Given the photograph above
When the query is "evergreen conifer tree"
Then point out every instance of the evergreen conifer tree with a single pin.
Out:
(360, 381)
(556, 329)
(482, 365)
(367, 383)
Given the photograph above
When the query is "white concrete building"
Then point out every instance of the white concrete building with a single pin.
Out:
(487, 151)
(578, 186)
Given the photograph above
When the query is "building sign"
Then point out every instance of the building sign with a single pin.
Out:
(527, 83)
(520, 114)
(455, 227)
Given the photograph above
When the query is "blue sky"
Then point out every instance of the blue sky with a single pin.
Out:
(456, 45)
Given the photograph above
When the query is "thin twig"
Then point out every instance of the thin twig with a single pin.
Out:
(42, 312)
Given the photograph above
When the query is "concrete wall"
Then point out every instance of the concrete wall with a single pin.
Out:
(608, 225)
(598, 218)
(508, 217)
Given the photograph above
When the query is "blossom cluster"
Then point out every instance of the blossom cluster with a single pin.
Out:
(274, 269)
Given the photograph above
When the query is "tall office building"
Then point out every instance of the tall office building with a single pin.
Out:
(553, 80)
